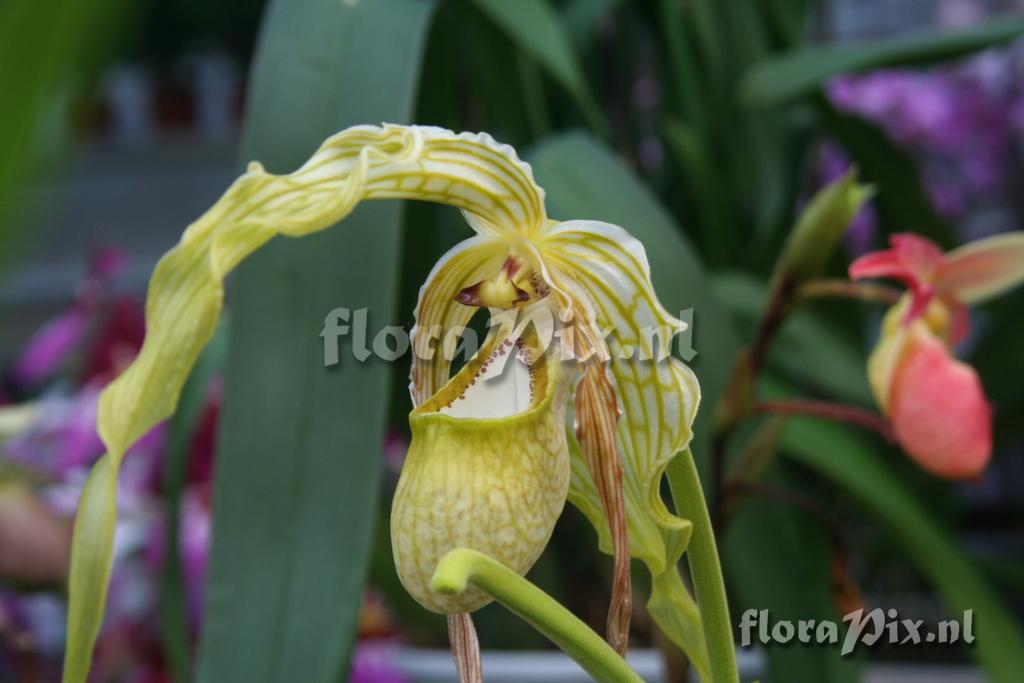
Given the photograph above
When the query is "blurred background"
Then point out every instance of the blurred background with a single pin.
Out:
(124, 122)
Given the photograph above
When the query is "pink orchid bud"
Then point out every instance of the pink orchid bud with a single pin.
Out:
(938, 409)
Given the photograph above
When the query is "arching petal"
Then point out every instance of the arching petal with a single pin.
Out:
(468, 171)
(439, 318)
(979, 270)
(471, 172)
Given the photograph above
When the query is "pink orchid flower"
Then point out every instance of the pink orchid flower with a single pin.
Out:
(936, 404)
(63, 335)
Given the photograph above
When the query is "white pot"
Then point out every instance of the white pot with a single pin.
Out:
(421, 665)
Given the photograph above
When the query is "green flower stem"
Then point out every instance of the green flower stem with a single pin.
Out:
(462, 567)
(705, 568)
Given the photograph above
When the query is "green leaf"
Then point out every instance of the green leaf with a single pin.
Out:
(173, 615)
(53, 44)
(853, 463)
(803, 71)
(538, 30)
(710, 197)
(687, 83)
(298, 460)
(583, 17)
(779, 559)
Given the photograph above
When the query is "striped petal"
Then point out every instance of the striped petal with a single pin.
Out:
(657, 394)
(440, 319)
(980, 270)
(469, 171)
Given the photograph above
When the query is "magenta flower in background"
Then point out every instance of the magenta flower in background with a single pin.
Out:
(959, 122)
(372, 663)
(57, 341)
(64, 435)
(51, 346)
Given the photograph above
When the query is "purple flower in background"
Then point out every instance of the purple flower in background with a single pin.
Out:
(51, 345)
(63, 436)
(959, 122)
(196, 526)
(372, 663)
(393, 450)
(56, 342)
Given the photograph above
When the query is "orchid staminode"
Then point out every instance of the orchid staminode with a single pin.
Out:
(491, 461)
(937, 406)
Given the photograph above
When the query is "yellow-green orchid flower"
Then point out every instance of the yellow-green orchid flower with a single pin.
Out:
(491, 461)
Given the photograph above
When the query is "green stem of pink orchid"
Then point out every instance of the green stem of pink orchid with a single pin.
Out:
(705, 568)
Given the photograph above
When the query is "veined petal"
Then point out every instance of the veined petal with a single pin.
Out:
(440, 319)
(471, 172)
(657, 393)
(468, 171)
(660, 549)
(979, 270)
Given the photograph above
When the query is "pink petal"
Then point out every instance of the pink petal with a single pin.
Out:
(913, 260)
(107, 262)
(920, 255)
(881, 264)
(982, 269)
(51, 345)
(939, 411)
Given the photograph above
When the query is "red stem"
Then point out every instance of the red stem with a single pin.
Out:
(831, 411)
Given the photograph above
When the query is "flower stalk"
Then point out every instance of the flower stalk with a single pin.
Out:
(867, 292)
(705, 568)
(830, 411)
(462, 568)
